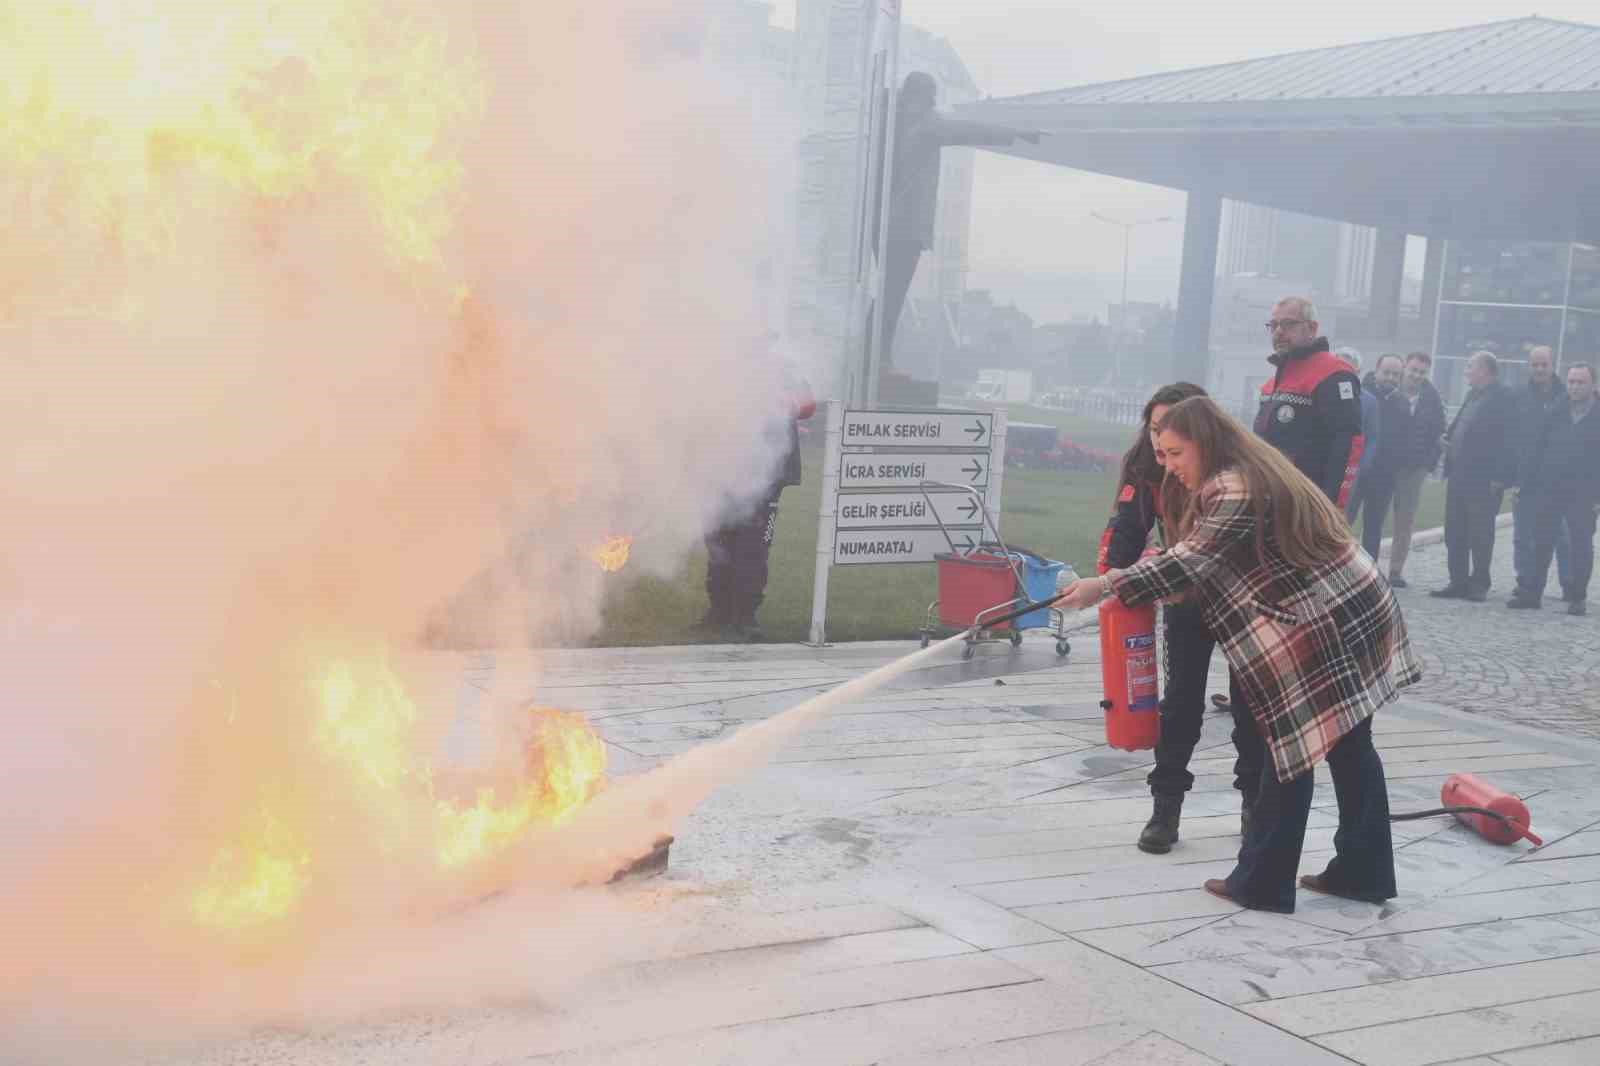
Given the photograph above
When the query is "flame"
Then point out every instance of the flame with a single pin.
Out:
(566, 764)
(256, 879)
(129, 118)
(612, 553)
(365, 726)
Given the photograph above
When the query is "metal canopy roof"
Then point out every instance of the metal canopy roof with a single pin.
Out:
(1489, 131)
(1527, 55)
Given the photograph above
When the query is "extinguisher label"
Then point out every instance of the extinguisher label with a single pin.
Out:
(1143, 691)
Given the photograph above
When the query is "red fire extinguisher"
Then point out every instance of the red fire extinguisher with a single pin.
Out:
(1128, 675)
(1469, 790)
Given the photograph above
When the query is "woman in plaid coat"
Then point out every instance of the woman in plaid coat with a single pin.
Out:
(1314, 638)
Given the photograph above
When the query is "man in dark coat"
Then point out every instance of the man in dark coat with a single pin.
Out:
(1479, 462)
(736, 553)
(920, 135)
(1535, 404)
(1563, 480)
(1311, 406)
(1380, 461)
(1418, 422)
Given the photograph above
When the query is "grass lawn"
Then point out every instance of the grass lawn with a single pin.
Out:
(1059, 515)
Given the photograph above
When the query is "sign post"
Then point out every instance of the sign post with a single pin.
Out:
(877, 504)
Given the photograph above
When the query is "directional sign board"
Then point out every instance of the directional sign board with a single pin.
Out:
(902, 510)
(857, 546)
(908, 470)
(918, 429)
(892, 490)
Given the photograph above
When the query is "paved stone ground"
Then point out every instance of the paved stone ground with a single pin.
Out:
(1537, 668)
(944, 873)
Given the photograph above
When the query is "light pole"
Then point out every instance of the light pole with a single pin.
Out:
(1127, 244)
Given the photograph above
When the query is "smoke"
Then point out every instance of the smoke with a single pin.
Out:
(333, 326)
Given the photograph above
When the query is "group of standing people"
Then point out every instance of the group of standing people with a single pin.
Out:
(1537, 443)
(1255, 555)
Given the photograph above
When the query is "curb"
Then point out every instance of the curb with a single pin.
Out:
(1427, 537)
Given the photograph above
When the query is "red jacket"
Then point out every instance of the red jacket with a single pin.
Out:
(1311, 412)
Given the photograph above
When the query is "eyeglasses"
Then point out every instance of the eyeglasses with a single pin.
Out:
(1284, 323)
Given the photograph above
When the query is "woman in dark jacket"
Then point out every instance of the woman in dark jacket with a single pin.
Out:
(1188, 643)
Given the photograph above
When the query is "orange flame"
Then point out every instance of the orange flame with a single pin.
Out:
(612, 554)
(366, 727)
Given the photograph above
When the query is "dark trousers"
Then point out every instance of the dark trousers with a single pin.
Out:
(736, 564)
(1250, 751)
(1470, 507)
(1522, 536)
(1552, 510)
(1183, 705)
(1377, 492)
(1363, 863)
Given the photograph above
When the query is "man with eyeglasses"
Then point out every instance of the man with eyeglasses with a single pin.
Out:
(1311, 408)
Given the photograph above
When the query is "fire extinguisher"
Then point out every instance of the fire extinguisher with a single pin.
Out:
(1498, 817)
(1128, 675)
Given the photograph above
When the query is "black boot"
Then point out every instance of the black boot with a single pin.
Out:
(1161, 831)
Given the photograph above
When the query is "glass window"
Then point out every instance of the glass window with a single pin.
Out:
(1508, 332)
(1583, 338)
(1505, 272)
(1586, 276)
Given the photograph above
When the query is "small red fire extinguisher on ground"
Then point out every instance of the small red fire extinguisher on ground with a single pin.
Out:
(1128, 675)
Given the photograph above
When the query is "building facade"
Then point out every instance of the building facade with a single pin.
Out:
(1511, 297)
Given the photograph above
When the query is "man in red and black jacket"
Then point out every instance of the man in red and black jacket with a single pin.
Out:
(1311, 407)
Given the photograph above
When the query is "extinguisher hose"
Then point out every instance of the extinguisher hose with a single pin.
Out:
(1037, 605)
(1511, 824)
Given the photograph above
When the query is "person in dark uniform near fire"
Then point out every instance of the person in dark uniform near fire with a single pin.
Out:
(736, 553)
(1311, 406)
(1143, 497)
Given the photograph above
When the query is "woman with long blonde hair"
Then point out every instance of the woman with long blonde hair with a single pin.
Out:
(1315, 644)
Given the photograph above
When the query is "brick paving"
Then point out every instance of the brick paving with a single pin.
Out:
(1535, 668)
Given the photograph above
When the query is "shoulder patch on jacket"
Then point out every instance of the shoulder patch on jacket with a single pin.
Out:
(1126, 496)
(1346, 391)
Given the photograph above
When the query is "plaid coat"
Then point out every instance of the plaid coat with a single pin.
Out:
(1315, 652)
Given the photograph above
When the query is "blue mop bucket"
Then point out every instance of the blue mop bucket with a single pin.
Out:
(1038, 583)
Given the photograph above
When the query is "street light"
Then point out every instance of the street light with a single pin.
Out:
(1127, 243)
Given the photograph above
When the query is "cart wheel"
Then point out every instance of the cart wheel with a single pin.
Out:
(968, 652)
(924, 640)
(1016, 639)
(1063, 647)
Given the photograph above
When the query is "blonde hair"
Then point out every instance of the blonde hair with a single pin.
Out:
(1307, 529)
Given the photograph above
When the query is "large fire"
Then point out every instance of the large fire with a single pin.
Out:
(365, 727)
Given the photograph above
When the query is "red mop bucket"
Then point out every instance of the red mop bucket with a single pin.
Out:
(972, 583)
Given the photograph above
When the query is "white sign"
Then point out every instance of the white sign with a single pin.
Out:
(884, 470)
(889, 510)
(918, 429)
(857, 546)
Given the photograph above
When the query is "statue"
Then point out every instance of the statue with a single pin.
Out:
(920, 134)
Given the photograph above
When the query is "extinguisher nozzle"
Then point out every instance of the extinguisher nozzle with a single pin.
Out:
(1532, 837)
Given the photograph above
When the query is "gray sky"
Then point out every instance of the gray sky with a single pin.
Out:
(1032, 219)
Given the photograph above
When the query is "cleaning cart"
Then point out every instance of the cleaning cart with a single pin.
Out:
(988, 582)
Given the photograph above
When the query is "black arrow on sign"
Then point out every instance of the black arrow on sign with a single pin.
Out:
(977, 429)
(976, 469)
(970, 509)
(966, 544)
